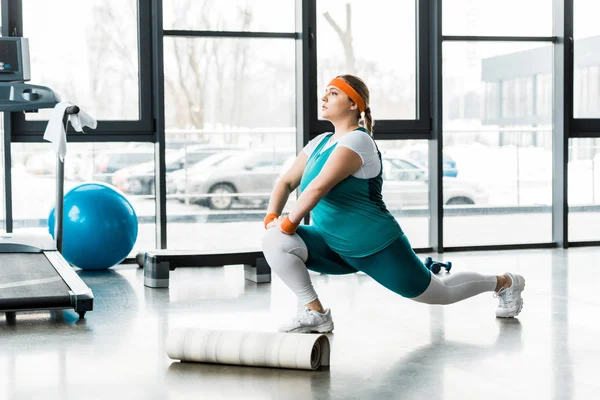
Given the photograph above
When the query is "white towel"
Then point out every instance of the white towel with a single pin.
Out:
(55, 130)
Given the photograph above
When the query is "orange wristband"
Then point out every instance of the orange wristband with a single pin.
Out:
(270, 217)
(288, 226)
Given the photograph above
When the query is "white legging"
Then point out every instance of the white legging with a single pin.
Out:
(287, 255)
(458, 286)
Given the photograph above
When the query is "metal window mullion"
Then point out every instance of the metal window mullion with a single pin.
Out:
(131, 127)
(145, 88)
(403, 135)
(316, 126)
(231, 34)
(585, 127)
(386, 129)
(158, 84)
(306, 48)
(423, 90)
(305, 11)
(582, 133)
(475, 38)
(436, 206)
(563, 106)
(96, 137)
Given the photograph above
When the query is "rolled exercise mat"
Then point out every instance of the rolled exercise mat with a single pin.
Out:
(256, 349)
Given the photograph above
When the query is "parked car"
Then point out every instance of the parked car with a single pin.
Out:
(139, 179)
(244, 177)
(43, 162)
(110, 161)
(178, 181)
(420, 154)
(405, 185)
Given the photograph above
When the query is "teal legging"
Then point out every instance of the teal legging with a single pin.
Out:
(396, 267)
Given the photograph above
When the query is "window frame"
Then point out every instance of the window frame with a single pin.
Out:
(580, 127)
(387, 129)
(141, 130)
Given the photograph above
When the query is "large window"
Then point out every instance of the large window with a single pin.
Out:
(586, 76)
(501, 162)
(491, 18)
(230, 108)
(87, 52)
(349, 41)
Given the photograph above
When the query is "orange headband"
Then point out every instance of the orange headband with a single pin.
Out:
(350, 92)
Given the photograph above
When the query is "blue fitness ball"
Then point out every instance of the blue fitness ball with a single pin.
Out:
(100, 226)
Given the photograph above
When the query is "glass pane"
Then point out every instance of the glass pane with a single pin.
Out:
(498, 132)
(230, 15)
(506, 18)
(584, 189)
(87, 51)
(226, 148)
(348, 33)
(34, 180)
(586, 76)
(405, 186)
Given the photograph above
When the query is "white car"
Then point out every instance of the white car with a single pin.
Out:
(405, 185)
(220, 181)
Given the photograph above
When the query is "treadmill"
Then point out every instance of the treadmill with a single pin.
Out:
(33, 273)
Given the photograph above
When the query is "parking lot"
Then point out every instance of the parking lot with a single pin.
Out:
(193, 226)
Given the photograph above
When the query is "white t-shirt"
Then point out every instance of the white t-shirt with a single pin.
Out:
(359, 142)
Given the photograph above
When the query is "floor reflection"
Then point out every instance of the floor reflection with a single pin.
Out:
(400, 351)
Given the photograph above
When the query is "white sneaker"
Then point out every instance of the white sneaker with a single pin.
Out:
(511, 302)
(309, 321)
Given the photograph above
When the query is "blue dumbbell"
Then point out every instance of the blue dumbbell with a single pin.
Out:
(436, 266)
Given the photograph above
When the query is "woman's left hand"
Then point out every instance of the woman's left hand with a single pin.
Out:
(278, 222)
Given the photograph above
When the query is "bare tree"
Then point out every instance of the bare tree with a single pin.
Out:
(345, 37)
(240, 63)
(113, 62)
(205, 66)
(185, 83)
(195, 68)
(399, 99)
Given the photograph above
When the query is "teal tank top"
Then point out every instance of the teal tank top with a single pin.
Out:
(352, 218)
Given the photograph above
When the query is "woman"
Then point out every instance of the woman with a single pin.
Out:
(340, 176)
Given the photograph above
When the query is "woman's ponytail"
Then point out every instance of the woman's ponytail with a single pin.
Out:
(368, 120)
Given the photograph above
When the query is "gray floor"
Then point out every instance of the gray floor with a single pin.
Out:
(383, 347)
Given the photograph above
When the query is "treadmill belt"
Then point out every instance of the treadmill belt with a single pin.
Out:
(28, 280)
